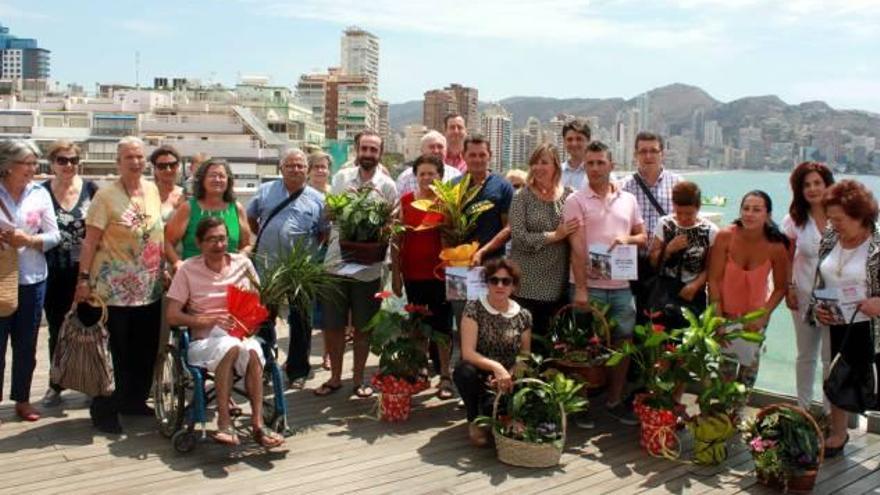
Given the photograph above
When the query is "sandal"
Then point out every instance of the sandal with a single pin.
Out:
(363, 391)
(226, 436)
(327, 388)
(444, 388)
(27, 412)
(234, 409)
(326, 362)
(267, 438)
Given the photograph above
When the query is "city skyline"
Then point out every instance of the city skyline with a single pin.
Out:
(802, 50)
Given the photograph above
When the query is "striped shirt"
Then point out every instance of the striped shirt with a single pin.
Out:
(662, 191)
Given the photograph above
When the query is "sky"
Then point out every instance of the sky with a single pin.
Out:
(800, 50)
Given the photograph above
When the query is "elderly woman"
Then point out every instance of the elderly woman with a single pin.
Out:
(415, 259)
(71, 196)
(213, 196)
(740, 263)
(166, 165)
(539, 238)
(804, 224)
(200, 285)
(849, 263)
(494, 331)
(121, 264)
(28, 225)
(320, 164)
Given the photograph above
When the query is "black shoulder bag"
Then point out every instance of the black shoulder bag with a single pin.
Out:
(275, 211)
(850, 388)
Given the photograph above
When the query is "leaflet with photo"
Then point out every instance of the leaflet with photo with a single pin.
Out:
(621, 263)
(464, 284)
(842, 302)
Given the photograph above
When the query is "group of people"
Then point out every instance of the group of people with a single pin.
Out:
(134, 241)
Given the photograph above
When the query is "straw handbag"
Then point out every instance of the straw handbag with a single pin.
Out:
(8, 273)
(81, 360)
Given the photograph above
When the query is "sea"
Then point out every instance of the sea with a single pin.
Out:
(777, 369)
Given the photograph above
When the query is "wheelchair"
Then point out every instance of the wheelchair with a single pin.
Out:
(181, 396)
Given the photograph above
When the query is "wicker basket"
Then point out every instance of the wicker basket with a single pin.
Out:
(594, 376)
(526, 454)
(795, 484)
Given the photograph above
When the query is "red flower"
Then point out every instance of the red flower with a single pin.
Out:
(670, 347)
(658, 328)
(417, 308)
(385, 294)
(595, 340)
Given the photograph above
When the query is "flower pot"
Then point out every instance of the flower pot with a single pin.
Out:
(657, 434)
(802, 483)
(394, 407)
(594, 376)
(364, 253)
(711, 433)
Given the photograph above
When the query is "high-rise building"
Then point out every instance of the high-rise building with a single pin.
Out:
(360, 58)
(455, 98)
(553, 134)
(412, 141)
(384, 124)
(495, 124)
(21, 58)
(342, 102)
(713, 135)
(522, 145)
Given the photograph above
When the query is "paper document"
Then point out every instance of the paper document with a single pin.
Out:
(619, 264)
(463, 283)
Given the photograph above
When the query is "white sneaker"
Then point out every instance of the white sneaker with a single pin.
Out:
(52, 398)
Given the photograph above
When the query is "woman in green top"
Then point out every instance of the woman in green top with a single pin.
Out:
(212, 196)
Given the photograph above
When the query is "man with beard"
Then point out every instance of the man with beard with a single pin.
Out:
(357, 290)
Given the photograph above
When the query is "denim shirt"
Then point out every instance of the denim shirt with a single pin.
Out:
(34, 215)
(302, 219)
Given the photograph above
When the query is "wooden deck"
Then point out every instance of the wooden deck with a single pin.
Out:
(339, 448)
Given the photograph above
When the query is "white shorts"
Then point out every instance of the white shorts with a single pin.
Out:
(208, 352)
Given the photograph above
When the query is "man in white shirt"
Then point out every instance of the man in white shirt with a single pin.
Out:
(576, 136)
(432, 143)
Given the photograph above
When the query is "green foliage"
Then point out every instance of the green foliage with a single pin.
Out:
(455, 203)
(297, 280)
(573, 339)
(783, 442)
(361, 217)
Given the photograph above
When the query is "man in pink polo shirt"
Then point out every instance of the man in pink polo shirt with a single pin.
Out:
(608, 216)
(455, 132)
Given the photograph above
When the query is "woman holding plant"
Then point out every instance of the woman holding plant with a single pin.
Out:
(539, 238)
(416, 258)
(495, 330)
(740, 263)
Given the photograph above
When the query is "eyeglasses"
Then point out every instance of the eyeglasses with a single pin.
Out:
(216, 239)
(65, 161)
(503, 281)
(167, 165)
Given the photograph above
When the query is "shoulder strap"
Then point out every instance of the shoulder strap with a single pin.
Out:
(650, 196)
(6, 211)
(275, 211)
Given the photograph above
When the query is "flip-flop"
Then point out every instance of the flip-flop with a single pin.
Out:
(363, 391)
(30, 414)
(267, 438)
(231, 438)
(326, 389)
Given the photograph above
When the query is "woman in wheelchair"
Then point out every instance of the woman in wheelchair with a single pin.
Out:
(197, 299)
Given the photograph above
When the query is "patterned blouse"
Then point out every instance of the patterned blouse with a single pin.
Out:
(544, 266)
(71, 225)
(127, 267)
(499, 335)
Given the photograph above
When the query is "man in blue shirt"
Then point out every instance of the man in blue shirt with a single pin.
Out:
(278, 228)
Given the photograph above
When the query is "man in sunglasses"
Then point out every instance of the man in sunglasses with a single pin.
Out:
(608, 216)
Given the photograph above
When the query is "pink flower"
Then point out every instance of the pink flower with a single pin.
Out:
(595, 340)
(385, 294)
(757, 444)
(152, 256)
(33, 219)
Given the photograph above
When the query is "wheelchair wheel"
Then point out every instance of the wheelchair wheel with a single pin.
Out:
(170, 393)
(184, 441)
(274, 410)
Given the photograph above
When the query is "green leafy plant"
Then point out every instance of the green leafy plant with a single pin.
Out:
(783, 443)
(579, 340)
(361, 217)
(455, 202)
(298, 279)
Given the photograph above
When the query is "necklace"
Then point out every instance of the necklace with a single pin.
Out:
(842, 262)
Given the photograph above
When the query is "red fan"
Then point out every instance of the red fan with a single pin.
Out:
(246, 311)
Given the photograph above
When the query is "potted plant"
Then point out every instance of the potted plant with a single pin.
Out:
(455, 213)
(399, 335)
(529, 424)
(787, 447)
(580, 344)
(365, 223)
(701, 357)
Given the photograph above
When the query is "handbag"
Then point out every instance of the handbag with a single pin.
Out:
(81, 360)
(847, 387)
(662, 294)
(8, 273)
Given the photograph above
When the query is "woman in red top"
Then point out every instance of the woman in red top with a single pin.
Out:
(414, 262)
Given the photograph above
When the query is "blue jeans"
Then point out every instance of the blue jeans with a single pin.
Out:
(623, 309)
(22, 328)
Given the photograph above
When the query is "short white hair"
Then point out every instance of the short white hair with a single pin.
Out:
(291, 152)
(128, 141)
(13, 150)
(432, 135)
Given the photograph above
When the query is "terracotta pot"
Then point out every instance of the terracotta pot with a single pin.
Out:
(364, 253)
(796, 484)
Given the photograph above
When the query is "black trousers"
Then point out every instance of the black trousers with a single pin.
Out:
(471, 384)
(134, 343)
(60, 287)
(542, 315)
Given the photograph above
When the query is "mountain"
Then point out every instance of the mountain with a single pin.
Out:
(673, 108)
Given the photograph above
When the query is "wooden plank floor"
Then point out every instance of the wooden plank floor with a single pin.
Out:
(340, 448)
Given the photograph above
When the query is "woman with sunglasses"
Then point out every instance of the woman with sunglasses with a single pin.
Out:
(71, 197)
(213, 195)
(166, 165)
(494, 331)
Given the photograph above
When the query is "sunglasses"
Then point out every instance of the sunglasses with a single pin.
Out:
(65, 161)
(167, 166)
(503, 281)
